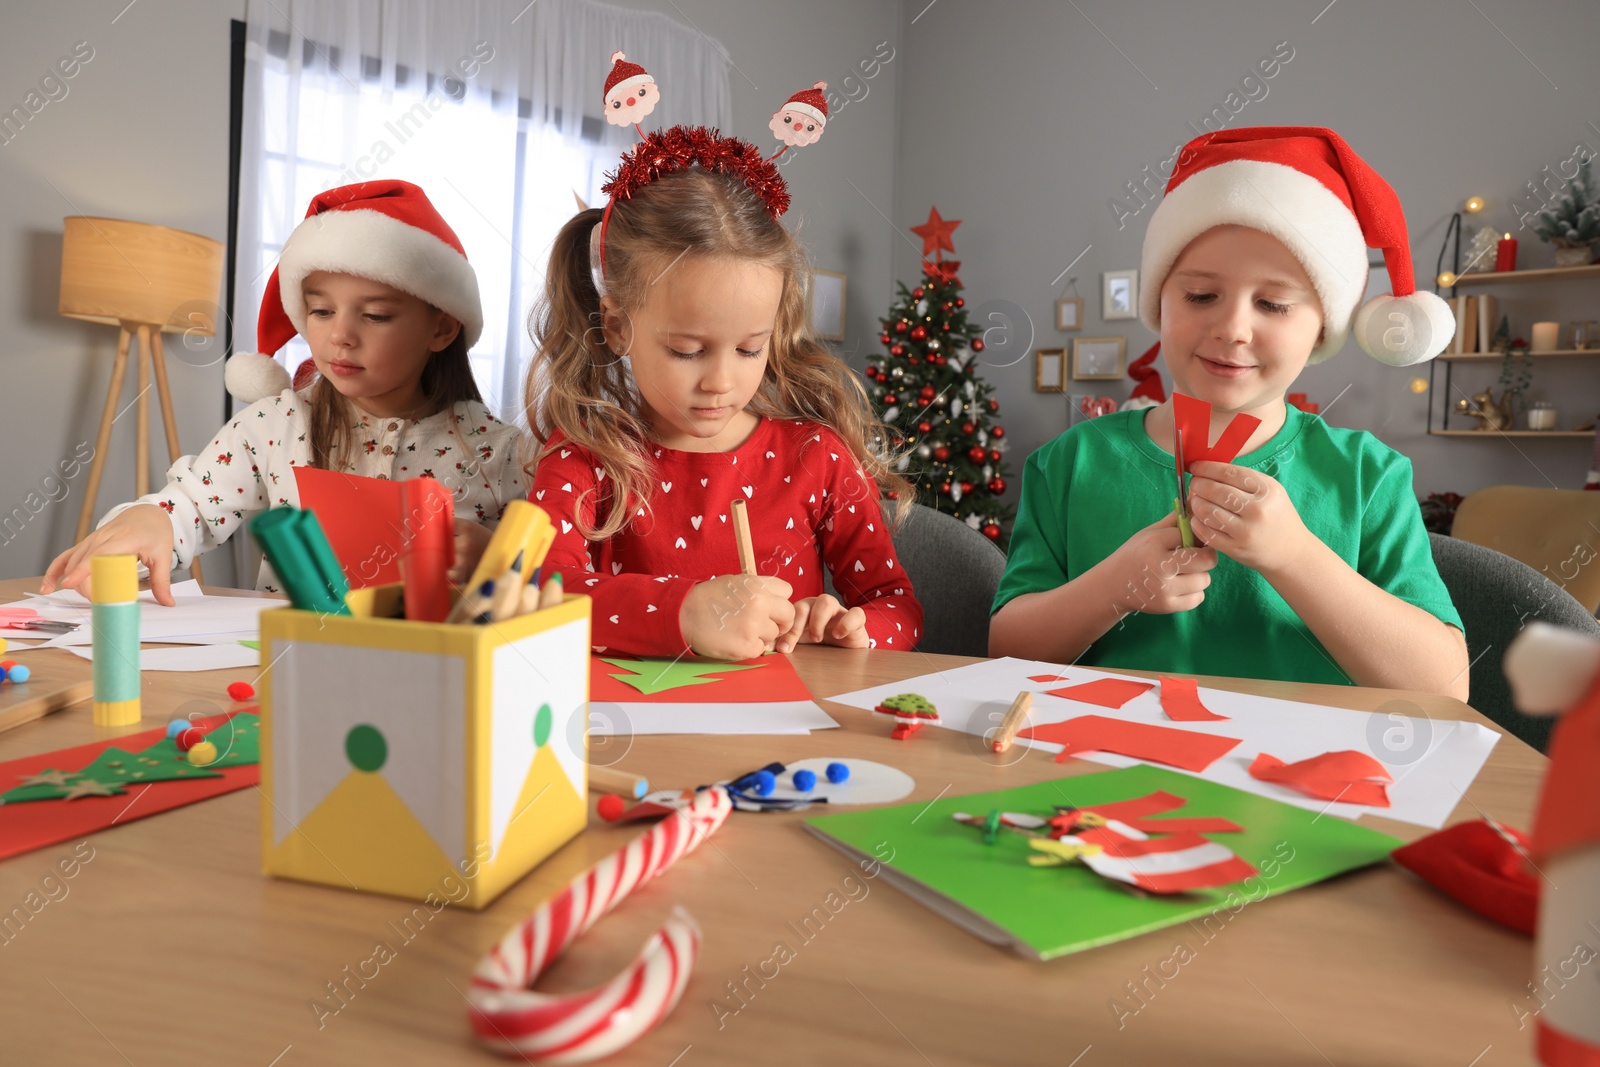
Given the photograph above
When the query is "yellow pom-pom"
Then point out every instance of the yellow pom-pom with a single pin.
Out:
(202, 755)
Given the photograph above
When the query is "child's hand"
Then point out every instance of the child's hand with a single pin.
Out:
(471, 540)
(822, 620)
(1245, 515)
(737, 616)
(1154, 573)
(144, 530)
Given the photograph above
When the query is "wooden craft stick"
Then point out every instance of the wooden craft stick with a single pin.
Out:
(741, 537)
(1016, 715)
(44, 704)
(611, 780)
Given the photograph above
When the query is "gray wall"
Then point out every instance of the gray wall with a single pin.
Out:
(1024, 119)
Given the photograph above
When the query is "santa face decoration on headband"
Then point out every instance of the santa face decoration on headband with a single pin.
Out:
(801, 119)
(630, 92)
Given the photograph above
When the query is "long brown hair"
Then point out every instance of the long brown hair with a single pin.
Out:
(578, 386)
(446, 381)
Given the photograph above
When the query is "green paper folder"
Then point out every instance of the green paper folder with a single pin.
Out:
(1045, 912)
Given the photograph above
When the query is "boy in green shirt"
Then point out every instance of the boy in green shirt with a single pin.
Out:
(1313, 564)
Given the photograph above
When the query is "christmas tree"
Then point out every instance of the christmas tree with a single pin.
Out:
(927, 390)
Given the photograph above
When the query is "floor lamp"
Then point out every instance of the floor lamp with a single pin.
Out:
(146, 280)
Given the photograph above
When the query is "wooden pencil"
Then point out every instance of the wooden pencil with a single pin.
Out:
(741, 538)
(611, 780)
(45, 704)
(1016, 715)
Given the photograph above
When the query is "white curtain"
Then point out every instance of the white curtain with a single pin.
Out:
(492, 106)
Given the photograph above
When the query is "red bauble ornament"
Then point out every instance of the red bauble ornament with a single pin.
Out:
(998, 432)
(961, 301)
(946, 305)
(967, 427)
(919, 333)
(976, 453)
(997, 486)
(901, 326)
(977, 344)
(945, 326)
(890, 398)
(945, 489)
(929, 391)
(941, 453)
(916, 294)
(884, 337)
(912, 360)
(994, 405)
(897, 350)
(966, 487)
(991, 531)
(923, 427)
(994, 455)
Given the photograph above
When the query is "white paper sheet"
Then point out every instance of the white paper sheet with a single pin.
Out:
(209, 657)
(608, 719)
(1433, 761)
(196, 618)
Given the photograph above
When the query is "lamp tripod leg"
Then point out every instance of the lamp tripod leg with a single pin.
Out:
(141, 440)
(103, 441)
(158, 359)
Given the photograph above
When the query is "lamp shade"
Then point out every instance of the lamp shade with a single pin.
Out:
(114, 272)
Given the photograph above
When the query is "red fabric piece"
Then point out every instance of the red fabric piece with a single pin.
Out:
(809, 501)
(1347, 777)
(1193, 419)
(1184, 749)
(1180, 699)
(1569, 806)
(1557, 1048)
(25, 827)
(1477, 867)
(1142, 371)
(772, 678)
(1106, 692)
(1136, 813)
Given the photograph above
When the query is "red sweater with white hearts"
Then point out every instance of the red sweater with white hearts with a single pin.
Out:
(809, 502)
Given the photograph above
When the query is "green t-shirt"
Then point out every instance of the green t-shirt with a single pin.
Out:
(1085, 493)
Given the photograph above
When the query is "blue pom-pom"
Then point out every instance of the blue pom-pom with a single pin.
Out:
(765, 783)
(176, 727)
(805, 781)
(20, 673)
(838, 772)
(3, 674)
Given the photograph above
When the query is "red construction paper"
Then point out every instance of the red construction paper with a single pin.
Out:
(1349, 776)
(362, 518)
(1476, 866)
(1180, 699)
(773, 680)
(1185, 749)
(25, 827)
(1047, 677)
(1136, 813)
(1193, 419)
(1106, 692)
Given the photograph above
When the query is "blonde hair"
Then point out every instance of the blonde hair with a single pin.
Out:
(578, 386)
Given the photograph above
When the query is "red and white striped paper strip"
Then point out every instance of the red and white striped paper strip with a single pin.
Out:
(511, 1018)
(1175, 864)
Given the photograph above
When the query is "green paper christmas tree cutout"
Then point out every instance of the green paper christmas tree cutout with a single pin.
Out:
(238, 743)
(651, 676)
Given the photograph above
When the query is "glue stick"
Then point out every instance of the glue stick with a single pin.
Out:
(114, 590)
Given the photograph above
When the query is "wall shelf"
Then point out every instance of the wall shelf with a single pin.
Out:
(1547, 274)
(1511, 433)
(1558, 352)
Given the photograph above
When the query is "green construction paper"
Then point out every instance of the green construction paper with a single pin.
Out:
(238, 743)
(1045, 912)
(252, 644)
(652, 676)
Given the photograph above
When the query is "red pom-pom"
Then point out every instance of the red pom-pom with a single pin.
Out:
(611, 807)
(682, 147)
(189, 737)
(241, 690)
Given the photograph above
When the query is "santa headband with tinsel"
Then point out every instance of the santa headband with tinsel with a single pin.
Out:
(631, 93)
(1306, 187)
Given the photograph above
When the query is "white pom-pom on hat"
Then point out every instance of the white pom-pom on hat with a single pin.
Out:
(252, 376)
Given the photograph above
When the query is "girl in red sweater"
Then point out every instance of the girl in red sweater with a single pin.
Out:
(675, 372)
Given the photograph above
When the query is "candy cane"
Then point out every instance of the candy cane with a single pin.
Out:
(511, 1018)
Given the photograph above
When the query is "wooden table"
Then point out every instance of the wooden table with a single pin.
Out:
(169, 946)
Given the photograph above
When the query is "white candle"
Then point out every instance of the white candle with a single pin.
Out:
(1546, 336)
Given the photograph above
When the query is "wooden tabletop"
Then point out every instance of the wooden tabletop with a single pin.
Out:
(168, 946)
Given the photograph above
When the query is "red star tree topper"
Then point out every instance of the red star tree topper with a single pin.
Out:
(927, 389)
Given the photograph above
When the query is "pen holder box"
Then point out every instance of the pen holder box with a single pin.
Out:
(418, 759)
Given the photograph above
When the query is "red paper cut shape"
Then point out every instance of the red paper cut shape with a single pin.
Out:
(1184, 749)
(1047, 677)
(1106, 692)
(1180, 863)
(362, 518)
(1193, 420)
(25, 827)
(1136, 813)
(776, 680)
(1347, 776)
(1480, 866)
(1180, 699)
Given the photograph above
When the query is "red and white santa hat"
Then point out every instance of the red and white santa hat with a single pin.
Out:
(387, 231)
(1306, 187)
(624, 76)
(810, 102)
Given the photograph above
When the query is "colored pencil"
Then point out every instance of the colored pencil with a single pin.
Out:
(1015, 717)
(741, 537)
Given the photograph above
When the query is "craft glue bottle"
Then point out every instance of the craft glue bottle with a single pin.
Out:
(114, 591)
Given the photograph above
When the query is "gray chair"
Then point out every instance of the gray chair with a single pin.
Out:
(1496, 596)
(954, 570)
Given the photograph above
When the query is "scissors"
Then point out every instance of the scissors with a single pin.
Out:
(1179, 503)
(28, 619)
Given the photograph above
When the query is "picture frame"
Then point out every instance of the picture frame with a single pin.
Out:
(1049, 370)
(1119, 295)
(1069, 314)
(827, 305)
(1099, 358)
